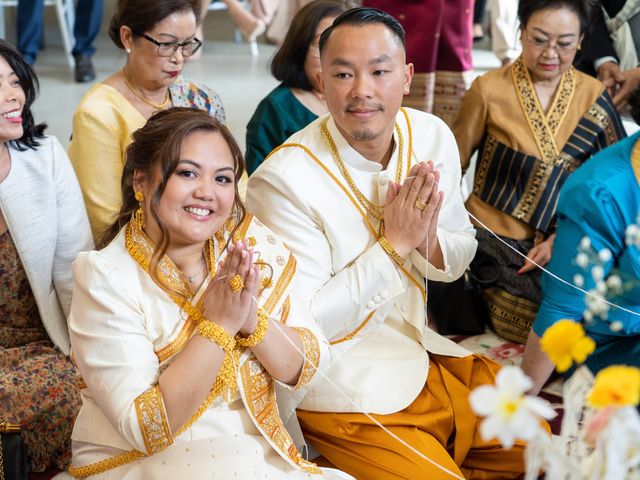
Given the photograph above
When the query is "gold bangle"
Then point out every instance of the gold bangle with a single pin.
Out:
(258, 335)
(217, 335)
(387, 247)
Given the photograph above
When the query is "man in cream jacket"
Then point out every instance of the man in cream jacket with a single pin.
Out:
(367, 198)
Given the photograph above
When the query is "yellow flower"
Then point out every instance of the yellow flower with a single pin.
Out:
(565, 342)
(615, 386)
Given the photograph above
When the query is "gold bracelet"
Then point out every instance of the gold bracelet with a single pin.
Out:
(217, 335)
(387, 247)
(258, 335)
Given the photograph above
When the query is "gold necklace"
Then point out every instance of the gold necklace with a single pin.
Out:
(157, 106)
(376, 211)
(203, 264)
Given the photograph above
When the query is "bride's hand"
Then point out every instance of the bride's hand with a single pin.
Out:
(224, 306)
(252, 318)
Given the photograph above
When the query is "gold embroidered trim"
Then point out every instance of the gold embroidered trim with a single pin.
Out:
(80, 383)
(261, 405)
(484, 162)
(311, 355)
(176, 345)
(355, 332)
(333, 177)
(105, 465)
(541, 130)
(286, 308)
(281, 285)
(152, 418)
(561, 101)
(635, 160)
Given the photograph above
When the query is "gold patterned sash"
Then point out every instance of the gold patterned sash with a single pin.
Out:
(543, 127)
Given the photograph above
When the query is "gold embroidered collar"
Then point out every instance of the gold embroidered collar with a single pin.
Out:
(543, 127)
(141, 248)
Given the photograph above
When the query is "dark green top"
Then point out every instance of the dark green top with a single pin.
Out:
(278, 116)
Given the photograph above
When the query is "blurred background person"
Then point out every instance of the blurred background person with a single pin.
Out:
(439, 44)
(297, 101)
(505, 41)
(613, 51)
(30, 19)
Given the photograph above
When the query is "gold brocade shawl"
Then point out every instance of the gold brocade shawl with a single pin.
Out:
(254, 383)
(525, 154)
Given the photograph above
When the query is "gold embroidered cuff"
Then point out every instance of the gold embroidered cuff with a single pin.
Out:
(311, 355)
(217, 335)
(152, 418)
(258, 335)
(387, 247)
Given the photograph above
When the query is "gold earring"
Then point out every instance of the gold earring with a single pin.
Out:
(138, 217)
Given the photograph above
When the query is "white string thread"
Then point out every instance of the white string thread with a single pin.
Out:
(553, 275)
(337, 389)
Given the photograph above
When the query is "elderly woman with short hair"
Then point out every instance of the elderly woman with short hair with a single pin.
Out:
(158, 37)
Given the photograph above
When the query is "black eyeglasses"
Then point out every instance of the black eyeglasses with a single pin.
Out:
(167, 49)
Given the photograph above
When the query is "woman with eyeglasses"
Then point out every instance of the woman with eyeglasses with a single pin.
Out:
(532, 124)
(297, 101)
(158, 36)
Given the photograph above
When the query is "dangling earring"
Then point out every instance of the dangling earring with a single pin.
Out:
(138, 217)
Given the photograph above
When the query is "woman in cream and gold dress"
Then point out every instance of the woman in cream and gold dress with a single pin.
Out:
(532, 124)
(186, 324)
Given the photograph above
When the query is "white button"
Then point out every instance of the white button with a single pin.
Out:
(377, 298)
(403, 309)
(384, 294)
(371, 305)
(382, 180)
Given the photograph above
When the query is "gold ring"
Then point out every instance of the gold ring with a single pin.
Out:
(236, 284)
(420, 205)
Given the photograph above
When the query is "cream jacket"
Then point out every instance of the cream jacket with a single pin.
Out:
(41, 203)
(125, 330)
(372, 313)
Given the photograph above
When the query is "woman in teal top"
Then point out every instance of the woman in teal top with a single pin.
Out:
(297, 101)
(599, 201)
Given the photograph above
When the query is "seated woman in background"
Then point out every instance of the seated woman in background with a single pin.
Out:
(297, 101)
(157, 36)
(598, 202)
(532, 123)
(183, 324)
(43, 227)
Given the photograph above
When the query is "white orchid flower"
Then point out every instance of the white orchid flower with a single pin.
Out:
(510, 414)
